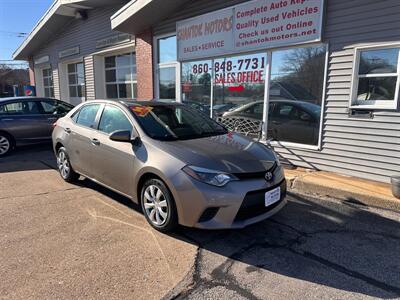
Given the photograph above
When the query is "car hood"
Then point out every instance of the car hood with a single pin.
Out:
(231, 152)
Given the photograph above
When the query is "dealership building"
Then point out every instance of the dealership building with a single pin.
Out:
(321, 78)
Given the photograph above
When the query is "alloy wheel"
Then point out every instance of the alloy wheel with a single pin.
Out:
(63, 164)
(4, 145)
(155, 205)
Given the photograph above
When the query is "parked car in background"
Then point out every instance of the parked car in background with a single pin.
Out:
(180, 165)
(199, 106)
(289, 120)
(26, 120)
(220, 109)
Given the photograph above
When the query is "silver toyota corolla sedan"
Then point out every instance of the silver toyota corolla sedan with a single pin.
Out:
(180, 165)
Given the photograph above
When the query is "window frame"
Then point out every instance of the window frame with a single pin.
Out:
(157, 66)
(117, 82)
(373, 104)
(75, 85)
(117, 107)
(268, 65)
(37, 103)
(96, 119)
(49, 77)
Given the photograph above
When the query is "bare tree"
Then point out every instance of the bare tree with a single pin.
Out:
(10, 76)
(305, 67)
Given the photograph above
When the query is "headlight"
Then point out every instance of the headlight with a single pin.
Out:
(212, 177)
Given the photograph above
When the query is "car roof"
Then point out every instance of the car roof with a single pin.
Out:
(24, 98)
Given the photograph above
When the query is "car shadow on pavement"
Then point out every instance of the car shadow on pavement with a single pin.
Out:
(339, 245)
(29, 158)
(87, 183)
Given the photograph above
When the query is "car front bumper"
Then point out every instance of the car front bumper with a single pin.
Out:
(236, 205)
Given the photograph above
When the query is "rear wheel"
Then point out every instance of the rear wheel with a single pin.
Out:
(158, 206)
(64, 166)
(6, 144)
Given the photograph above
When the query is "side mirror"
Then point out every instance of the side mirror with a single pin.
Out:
(305, 117)
(123, 136)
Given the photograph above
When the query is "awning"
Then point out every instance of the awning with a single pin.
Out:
(59, 14)
(138, 15)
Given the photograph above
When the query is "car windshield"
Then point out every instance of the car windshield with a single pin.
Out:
(175, 122)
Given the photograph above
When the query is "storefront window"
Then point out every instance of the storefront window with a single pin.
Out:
(120, 75)
(296, 94)
(239, 86)
(48, 82)
(375, 84)
(167, 78)
(167, 68)
(167, 49)
(232, 90)
(76, 80)
(196, 85)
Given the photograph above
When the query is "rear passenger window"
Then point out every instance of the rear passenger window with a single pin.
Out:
(87, 115)
(113, 119)
(23, 108)
(55, 107)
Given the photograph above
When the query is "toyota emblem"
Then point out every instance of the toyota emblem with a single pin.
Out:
(268, 176)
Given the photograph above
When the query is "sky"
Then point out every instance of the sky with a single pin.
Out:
(18, 16)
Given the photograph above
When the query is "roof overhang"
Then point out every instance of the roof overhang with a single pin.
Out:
(138, 15)
(60, 13)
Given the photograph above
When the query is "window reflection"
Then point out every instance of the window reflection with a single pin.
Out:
(239, 86)
(378, 61)
(377, 75)
(167, 49)
(76, 81)
(196, 85)
(167, 83)
(120, 78)
(296, 93)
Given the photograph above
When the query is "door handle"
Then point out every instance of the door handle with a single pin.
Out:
(51, 119)
(9, 119)
(67, 130)
(95, 142)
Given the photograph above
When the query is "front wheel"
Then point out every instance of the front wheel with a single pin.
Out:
(158, 206)
(64, 166)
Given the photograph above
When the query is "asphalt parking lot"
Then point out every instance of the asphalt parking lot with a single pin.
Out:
(82, 241)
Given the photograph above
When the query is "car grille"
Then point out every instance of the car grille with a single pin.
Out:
(254, 175)
(253, 204)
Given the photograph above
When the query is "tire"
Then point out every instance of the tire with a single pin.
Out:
(64, 166)
(158, 206)
(6, 144)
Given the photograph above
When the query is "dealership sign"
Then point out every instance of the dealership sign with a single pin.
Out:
(41, 60)
(68, 52)
(113, 40)
(254, 25)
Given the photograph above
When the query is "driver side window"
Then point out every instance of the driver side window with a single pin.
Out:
(113, 119)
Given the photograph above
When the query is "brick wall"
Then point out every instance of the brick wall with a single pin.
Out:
(144, 65)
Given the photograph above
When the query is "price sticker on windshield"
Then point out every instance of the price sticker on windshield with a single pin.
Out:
(141, 111)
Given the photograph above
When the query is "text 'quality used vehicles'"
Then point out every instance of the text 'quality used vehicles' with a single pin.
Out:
(179, 164)
(27, 120)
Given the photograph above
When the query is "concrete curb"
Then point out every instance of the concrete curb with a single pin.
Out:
(352, 190)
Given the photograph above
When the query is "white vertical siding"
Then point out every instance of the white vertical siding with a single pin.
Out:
(56, 84)
(89, 78)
